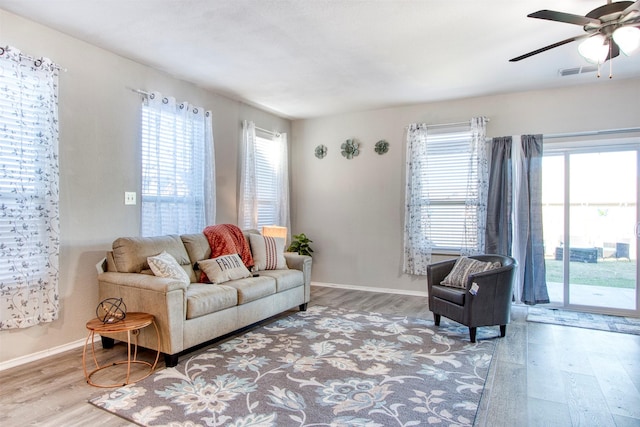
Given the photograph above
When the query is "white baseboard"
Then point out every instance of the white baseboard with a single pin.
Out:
(371, 289)
(42, 354)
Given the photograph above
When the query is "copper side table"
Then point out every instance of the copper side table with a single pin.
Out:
(131, 324)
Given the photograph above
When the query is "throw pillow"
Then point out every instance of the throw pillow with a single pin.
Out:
(268, 252)
(165, 265)
(463, 267)
(224, 268)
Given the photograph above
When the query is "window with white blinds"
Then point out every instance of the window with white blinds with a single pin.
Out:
(267, 165)
(172, 196)
(450, 199)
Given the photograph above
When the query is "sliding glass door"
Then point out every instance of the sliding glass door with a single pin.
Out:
(590, 215)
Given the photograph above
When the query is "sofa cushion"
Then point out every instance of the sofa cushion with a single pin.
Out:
(197, 247)
(463, 267)
(204, 299)
(224, 268)
(164, 265)
(130, 253)
(285, 279)
(253, 288)
(268, 252)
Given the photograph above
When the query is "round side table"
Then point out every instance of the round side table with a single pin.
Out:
(131, 324)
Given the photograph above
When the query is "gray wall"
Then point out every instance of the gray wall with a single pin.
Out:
(353, 210)
(99, 160)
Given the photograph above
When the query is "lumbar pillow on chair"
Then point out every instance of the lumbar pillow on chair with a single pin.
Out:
(464, 266)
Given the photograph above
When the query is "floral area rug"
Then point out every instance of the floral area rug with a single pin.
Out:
(322, 367)
(603, 322)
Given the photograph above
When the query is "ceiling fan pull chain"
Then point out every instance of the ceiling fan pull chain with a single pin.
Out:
(610, 59)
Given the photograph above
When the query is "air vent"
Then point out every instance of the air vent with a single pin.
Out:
(577, 70)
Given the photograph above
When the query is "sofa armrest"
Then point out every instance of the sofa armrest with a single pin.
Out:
(162, 297)
(302, 263)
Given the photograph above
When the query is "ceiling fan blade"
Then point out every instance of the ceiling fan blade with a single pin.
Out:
(631, 13)
(544, 49)
(568, 18)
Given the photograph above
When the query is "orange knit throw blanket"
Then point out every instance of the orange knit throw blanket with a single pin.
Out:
(227, 239)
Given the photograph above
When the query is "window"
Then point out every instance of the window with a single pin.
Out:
(446, 192)
(177, 167)
(29, 221)
(264, 187)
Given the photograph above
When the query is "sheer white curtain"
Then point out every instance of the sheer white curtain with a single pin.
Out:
(178, 167)
(29, 184)
(248, 203)
(264, 179)
(282, 175)
(417, 245)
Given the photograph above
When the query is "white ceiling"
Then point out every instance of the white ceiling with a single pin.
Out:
(308, 58)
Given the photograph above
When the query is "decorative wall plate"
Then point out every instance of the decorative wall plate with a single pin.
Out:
(381, 147)
(321, 151)
(350, 148)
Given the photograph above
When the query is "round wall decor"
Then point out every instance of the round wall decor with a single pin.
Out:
(350, 148)
(321, 151)
(381, 147)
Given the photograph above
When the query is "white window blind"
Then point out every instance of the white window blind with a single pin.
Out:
(266, 173)
(450, 167)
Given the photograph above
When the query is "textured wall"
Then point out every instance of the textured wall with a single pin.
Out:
(353, 210)
(99, 161)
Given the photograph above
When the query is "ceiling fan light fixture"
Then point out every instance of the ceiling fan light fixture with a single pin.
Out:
(594, 49)
(627, 39)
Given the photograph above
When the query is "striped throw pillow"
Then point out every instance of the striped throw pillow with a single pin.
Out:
(267, 252)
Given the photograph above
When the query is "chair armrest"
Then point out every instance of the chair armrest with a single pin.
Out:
(493, 298)
(438, 271)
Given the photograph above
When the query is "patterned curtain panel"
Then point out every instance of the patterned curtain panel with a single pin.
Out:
(29, 220)
(417, 245)
(477, 190)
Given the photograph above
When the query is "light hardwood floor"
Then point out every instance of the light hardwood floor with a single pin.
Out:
(541, 375)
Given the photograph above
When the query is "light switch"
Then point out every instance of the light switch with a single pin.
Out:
(129, 197)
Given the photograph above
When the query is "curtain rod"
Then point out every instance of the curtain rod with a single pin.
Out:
(468, 122)
(33, 59)
(590, 133)
(140, 91)
(270, 132)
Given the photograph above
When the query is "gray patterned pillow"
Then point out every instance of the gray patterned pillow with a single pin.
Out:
(165, 265)
(464, 266)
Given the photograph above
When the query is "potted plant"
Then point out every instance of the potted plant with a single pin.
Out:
(300, 244)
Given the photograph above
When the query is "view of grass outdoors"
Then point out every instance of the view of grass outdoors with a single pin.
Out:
(602, 222)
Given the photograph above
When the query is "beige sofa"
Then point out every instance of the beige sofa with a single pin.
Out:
(189, 315)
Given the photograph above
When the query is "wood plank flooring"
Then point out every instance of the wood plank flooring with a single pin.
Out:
(541, 375)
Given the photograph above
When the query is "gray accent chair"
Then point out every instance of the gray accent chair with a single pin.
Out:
(490, 306)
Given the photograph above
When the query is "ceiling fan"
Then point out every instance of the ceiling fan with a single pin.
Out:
(609, 29)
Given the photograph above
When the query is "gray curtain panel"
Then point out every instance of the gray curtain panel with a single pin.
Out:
(499, 206)
(534, 290)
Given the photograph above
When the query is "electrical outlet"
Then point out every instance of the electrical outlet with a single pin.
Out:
(129, 197)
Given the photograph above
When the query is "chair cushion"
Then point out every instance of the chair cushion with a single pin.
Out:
(454, 295)
(463, 267)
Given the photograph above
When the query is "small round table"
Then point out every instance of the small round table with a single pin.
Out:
(131, 324)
